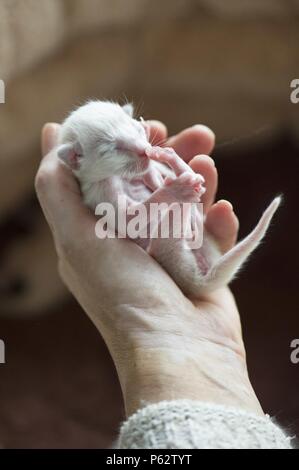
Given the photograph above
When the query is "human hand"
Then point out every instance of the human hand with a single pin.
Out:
(164, 345)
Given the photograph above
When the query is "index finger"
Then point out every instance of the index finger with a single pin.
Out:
(195, 140)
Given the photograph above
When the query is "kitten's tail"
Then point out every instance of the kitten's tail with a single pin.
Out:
(229, 264)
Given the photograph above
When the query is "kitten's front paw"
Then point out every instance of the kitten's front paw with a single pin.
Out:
(169, 157)
(188, 186)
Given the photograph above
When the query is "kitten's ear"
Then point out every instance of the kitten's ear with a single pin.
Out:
(70, 154)
(129, 109)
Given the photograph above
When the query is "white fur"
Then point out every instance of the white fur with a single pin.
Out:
(108, 137)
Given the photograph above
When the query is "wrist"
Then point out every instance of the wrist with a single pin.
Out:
(153, 375)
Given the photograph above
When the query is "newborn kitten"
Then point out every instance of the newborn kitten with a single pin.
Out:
(110, 154)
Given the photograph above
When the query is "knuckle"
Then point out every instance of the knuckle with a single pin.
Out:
(49, 175)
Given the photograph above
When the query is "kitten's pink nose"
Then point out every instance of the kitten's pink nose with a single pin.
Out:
(134, 146)
(140, 149)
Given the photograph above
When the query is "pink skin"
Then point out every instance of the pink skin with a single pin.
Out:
(168, 156)
(184, 185)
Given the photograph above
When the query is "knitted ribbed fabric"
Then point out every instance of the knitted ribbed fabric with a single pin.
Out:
(186, 424)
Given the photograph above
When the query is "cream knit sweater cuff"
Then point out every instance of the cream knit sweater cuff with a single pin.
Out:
(186, 424)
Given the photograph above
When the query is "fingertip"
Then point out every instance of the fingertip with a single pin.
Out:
(49, 137)
(205, 130)
(223, 224)
(207, 137)
(225, 211)
(199, 159)
(195, 140)
(225, 205)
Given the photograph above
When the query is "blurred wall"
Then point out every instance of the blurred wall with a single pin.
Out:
(226, 64)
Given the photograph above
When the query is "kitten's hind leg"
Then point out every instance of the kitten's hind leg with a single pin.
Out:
(169, 246)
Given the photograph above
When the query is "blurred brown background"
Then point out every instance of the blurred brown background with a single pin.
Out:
(226, 64)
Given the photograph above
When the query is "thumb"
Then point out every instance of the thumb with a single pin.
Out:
(50, 133)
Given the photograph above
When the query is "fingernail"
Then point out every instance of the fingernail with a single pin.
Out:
(202, 127)
(228, 204)
(203, 157)
(207, 157)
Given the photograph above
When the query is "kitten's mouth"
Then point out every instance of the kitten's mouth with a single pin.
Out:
(142, 160)
(139, 159)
